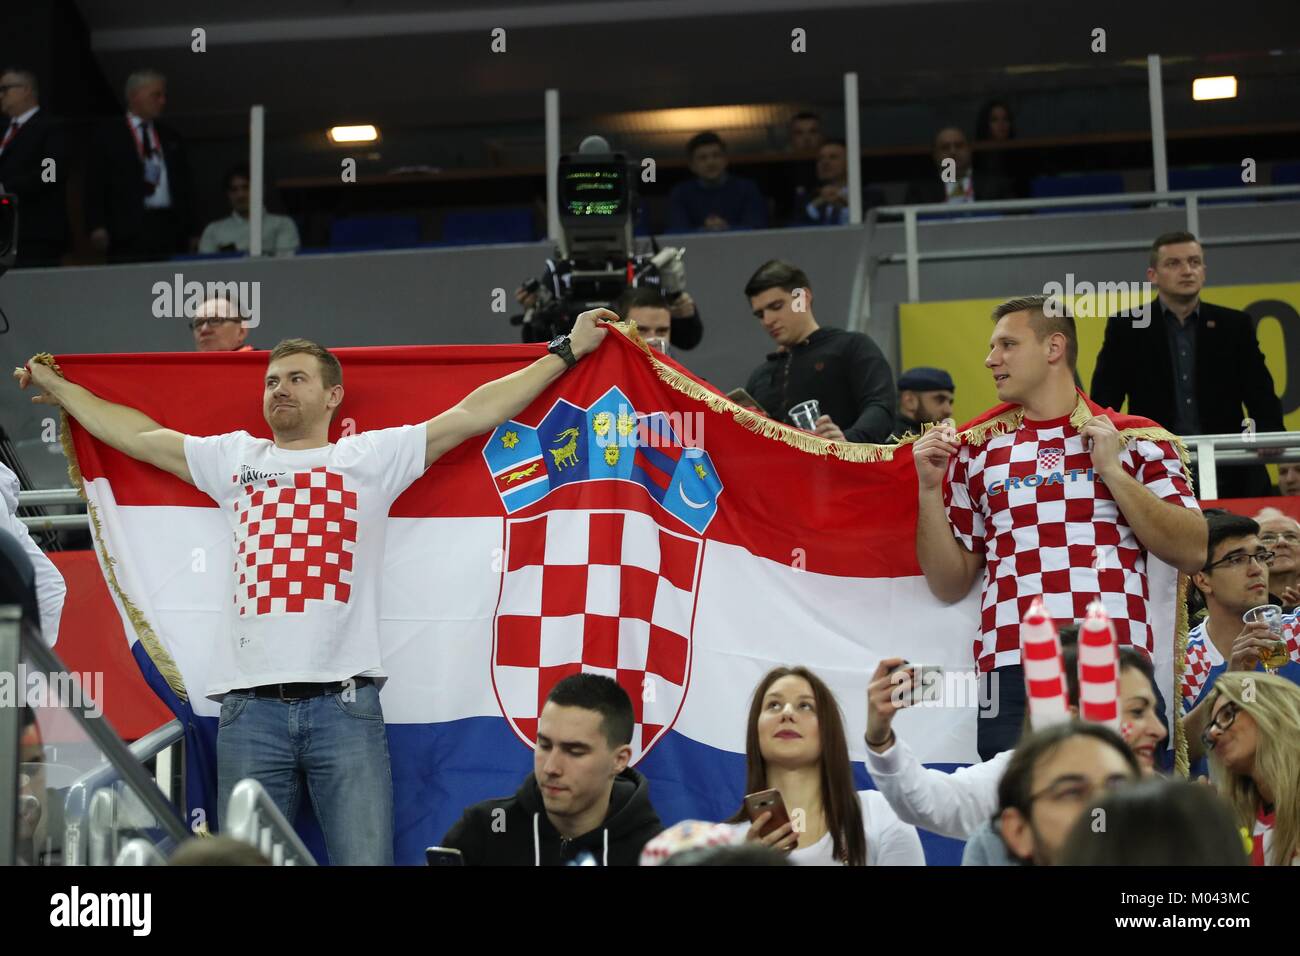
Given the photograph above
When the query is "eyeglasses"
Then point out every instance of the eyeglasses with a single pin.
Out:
(1265, 558)
(6, 87)
(200, 323)
(1223, 720)
(1290, 537)
(1077, 791)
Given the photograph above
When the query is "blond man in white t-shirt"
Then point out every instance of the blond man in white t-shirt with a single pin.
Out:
(299, 672)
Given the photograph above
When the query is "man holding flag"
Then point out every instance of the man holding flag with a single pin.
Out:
(1055, 497)
(298, 668)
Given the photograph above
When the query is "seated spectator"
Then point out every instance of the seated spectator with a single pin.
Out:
(714, 200)
(46, 578)
(1053, 777)
(953, 180)
(958, 804)
(795, 744)
(279, 233)
(218, 327)
(1234, 580)
(1158, 823)
(1288, 479)
(31, 138)
(925, 397)
(582, 799)
(804, 133)
(1280, 533)
(656, 320)
(1253, 739)
(845, 372)
(826, 203)
(993, 127)
(686, 837)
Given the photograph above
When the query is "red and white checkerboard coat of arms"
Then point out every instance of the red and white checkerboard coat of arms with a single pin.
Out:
(1049, 459)
(604, 592)
(295, 540)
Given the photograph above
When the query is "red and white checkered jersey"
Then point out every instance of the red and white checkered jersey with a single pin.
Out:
(1205, 663)
(1028, 501)
(308, 529)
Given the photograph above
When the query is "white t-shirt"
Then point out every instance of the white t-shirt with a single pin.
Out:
(890, 841)
(308, 551)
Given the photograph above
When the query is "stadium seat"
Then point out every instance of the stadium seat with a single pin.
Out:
(1209, 177)
(487, 226)
(1078, 184)
(374, 232)
(1286, 174)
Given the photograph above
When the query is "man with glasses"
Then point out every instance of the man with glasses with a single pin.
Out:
(218, 327)
(1234, 580)
(1280, 533)
(32, 168)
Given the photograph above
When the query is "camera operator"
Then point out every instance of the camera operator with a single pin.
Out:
(546, 318)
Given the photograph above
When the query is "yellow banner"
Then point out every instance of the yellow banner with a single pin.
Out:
(955, 336)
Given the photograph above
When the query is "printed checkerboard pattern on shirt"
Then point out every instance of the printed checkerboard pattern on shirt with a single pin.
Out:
(294, 543)
(1197, 668)
(603, 592)
(1029, 502)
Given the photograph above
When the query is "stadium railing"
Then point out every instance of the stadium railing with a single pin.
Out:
(253, 818)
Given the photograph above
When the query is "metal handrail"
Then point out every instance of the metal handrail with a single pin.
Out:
(139, 852)
(253, 818)
(1242, 449)
(1110, 199)
(33, 498)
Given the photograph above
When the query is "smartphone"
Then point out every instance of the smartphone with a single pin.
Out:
(927, 682)
(443, 856)
(756, 804)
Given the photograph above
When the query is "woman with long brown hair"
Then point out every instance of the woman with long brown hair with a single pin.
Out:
(795, 744)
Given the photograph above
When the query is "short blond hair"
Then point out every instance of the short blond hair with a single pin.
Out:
(331, 372)
(1048, 315)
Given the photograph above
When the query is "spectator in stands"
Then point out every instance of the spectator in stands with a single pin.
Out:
(1189, 365)
(33, 166)
(958, 804)
(994, 129)
(217, 851)
(953, 180)
(714, 200)
(655, 318)
(795, 744)
(1254, 743)
(279, 233)
(844, 371)
(1288, 479)
(46, 579)
(1280, 533)
(827, 202)
(1127, 488)
(1234, 580)
(34, 797)
(303, 715)
(138, 193)
(1051, 780)
(582, 799)
(804, 134)
(925, 397)
(1157, 823)
(218, 327)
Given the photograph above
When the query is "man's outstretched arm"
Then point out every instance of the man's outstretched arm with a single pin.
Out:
(129, 431)
(498, 401)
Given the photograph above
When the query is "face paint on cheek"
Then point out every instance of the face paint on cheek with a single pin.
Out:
(1126, 729)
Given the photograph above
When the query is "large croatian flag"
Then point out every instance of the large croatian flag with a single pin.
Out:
(630, 522)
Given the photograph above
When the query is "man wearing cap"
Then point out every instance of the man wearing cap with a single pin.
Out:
(925, 397)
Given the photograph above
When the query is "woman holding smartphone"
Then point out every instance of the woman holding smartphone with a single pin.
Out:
(795, 746)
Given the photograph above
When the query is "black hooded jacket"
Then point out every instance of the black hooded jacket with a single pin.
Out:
(523, 834)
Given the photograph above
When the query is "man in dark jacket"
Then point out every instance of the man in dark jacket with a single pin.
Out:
(845, 372)
(1189, 365)
(138, 190)
(32, 167)
(581, 800)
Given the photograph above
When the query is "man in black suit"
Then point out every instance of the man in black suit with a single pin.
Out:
(138, 192)
(954, 179)
(1189, 365)
(31, 137)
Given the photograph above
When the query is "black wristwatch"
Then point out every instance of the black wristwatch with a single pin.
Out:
(560, 346)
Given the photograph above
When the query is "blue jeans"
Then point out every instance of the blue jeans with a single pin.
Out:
(337, 748)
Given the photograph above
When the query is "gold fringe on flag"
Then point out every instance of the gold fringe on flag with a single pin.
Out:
(143, 629)
(1182, 765)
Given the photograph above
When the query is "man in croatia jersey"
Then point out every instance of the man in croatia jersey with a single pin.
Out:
(1054, 497)
(298, 670)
